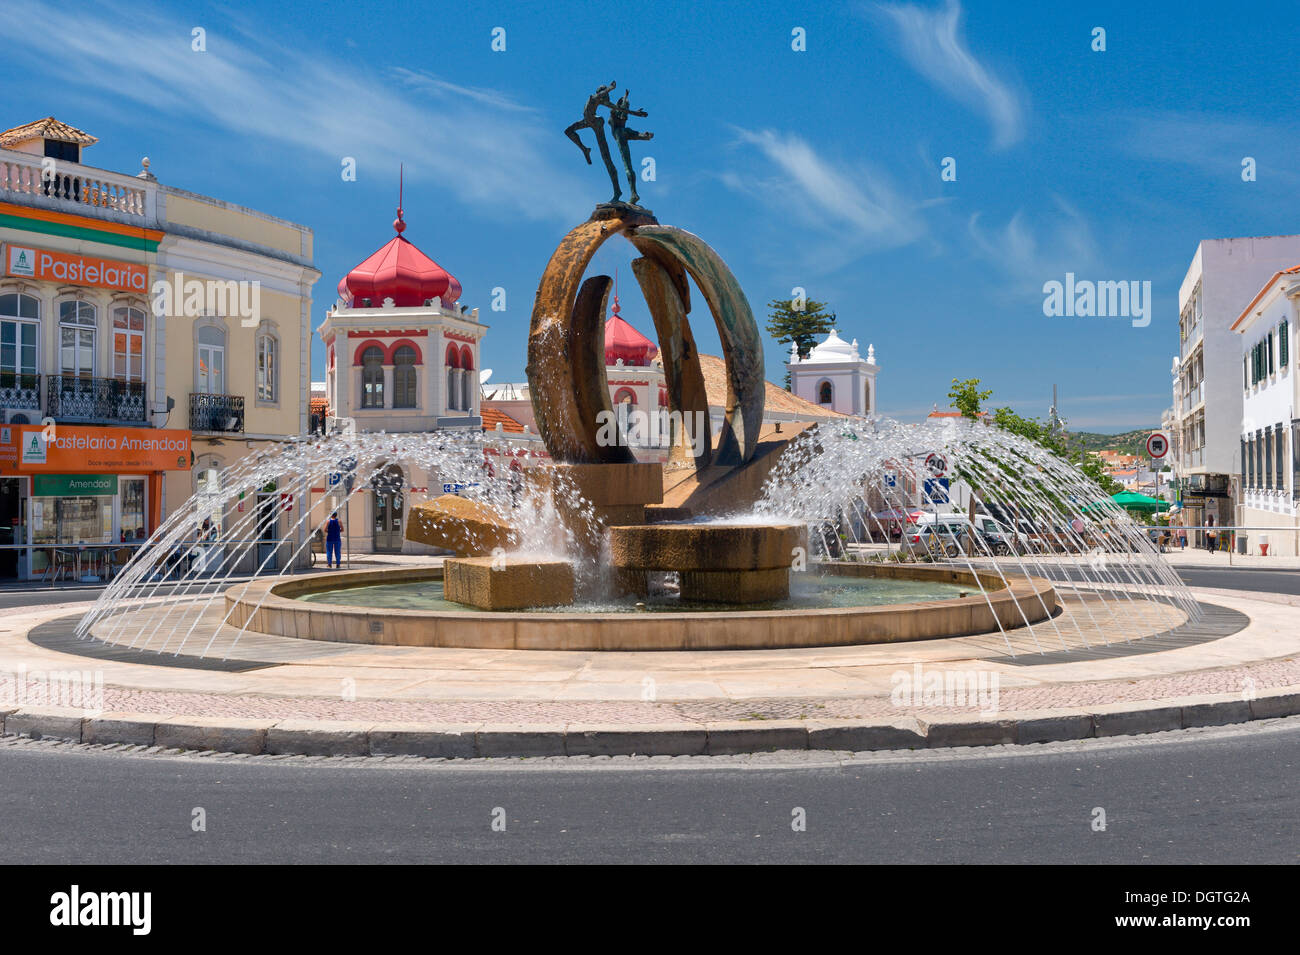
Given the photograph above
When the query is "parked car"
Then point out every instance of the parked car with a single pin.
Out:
(942, 536)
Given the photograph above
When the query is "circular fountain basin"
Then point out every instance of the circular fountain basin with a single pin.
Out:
(293, 607)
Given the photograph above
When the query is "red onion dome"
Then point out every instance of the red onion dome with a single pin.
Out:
(401, 272)
(625, 342)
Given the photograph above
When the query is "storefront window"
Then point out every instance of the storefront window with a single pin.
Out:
(72, 520)
(132, 519)
(208, 490)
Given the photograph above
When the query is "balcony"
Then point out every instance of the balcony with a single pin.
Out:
(20, 391)
(1193, 398)
(73, 188)
(74, 398)
(217, 414)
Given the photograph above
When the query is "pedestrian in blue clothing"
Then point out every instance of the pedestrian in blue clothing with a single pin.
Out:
(334, 541)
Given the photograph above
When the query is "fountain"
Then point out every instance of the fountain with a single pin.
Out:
(859, 532)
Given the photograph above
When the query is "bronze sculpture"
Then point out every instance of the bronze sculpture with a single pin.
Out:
(618, 115)
(593, 121)
(618, 128)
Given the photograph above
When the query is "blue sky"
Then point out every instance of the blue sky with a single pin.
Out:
(818, 169)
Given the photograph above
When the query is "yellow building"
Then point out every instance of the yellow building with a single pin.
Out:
(126, 307)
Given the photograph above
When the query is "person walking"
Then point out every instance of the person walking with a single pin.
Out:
(1182, 538)
(334, 541)
(1211, 536)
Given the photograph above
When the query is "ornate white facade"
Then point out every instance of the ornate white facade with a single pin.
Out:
(835, 376)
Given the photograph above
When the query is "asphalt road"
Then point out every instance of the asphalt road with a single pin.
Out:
(1224, 795)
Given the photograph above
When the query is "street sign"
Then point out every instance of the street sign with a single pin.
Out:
(286, 502)
(891, 479)
(936, 491)
(457, 488)
(1157, 445)
(936, 464)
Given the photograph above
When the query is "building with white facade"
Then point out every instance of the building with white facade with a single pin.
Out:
(401, 355)
(834, 376)
(1224, 275)
(1269, 446)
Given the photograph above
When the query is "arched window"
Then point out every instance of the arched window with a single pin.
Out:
(372, 377)
(20, 317)
(825, 393)
(453, 378)
(467, 379)
(268, 367)
(404, 377)
(625, 396)
(77, 322)
(866, 399)
(128, 343)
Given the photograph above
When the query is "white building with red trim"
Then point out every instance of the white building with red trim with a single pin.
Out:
(401, 353)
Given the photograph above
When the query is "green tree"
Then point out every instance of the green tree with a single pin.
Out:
(966, 397)
(790, 320)
(1060, 445)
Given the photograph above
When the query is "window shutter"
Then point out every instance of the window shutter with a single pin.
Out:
(1283, 344)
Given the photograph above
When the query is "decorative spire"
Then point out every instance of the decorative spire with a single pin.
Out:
(399, 224)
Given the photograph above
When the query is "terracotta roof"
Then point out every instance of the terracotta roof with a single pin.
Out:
(777, 398)
(47, 128)
(491, 417)
(1261, 293)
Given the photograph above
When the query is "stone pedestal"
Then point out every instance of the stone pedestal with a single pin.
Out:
(717, 563)
(508, 583)
(601, 494)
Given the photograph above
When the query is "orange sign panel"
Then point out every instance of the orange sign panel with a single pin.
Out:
(87, 270)
(69, 449)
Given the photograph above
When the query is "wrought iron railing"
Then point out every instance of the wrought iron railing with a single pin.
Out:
(72, 397)
(217, 413)
(20, 390)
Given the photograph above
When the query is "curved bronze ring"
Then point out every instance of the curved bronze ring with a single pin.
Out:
(566, 368)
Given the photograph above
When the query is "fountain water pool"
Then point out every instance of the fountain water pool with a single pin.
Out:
(1083, 576)
(807, 592)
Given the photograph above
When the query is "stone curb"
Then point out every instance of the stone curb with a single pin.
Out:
(298, 737)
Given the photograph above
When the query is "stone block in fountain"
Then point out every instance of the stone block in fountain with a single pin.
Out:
(459, 525)
(717, 562)
(508, 582)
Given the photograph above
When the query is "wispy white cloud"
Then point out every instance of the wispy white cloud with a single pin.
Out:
(475, 143)
(1030, 255)
(1213, 143)
(856, 205)
(933, 42)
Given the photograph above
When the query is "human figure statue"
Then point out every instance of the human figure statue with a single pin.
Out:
(618, 128)
(593, 121)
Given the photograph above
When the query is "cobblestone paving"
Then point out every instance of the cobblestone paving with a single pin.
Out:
(1258, 678)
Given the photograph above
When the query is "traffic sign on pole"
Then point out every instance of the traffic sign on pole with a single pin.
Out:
(1157, 445)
